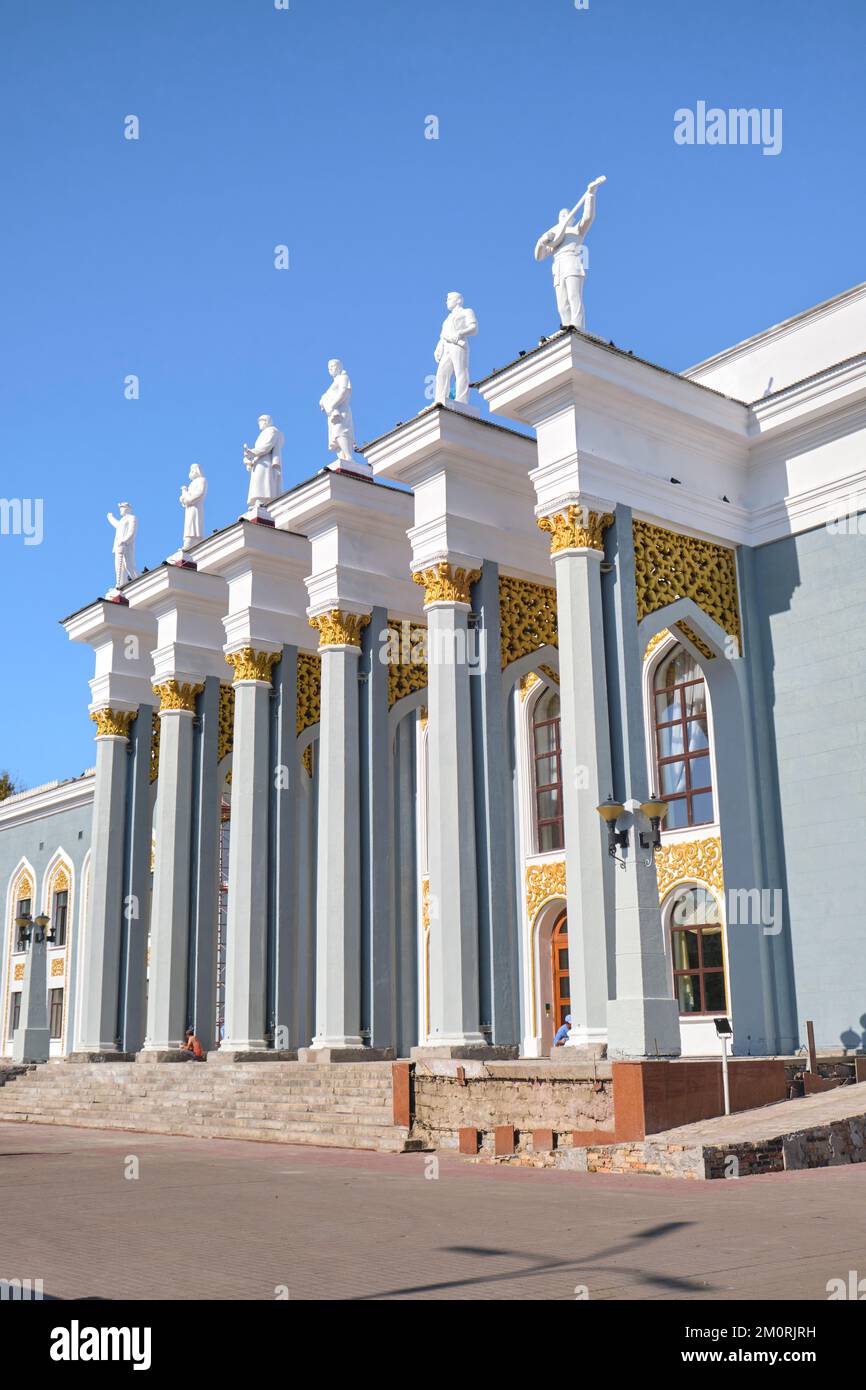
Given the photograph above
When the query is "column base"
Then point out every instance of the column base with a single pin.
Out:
(643, 1029)
(105, 1054)
(265, 1054)
(464, 1052)
(329, 1053)
(31, 1045)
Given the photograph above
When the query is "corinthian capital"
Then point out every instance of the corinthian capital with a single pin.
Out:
(445, 584)
(337, 628)
(575, 528)
(250, 665)
(112, 723)
(176, 696)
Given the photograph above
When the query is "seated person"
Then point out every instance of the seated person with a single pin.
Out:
(193, 1046)
(562, 1032)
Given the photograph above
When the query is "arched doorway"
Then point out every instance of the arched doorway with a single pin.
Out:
(559, 970)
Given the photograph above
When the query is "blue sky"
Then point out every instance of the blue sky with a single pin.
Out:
(305, 127)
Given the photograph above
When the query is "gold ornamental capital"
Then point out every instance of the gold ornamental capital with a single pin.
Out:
(337, 628)
(112, 723)
(250, 665)
(576, 528)
(445, 584)
(177, 695)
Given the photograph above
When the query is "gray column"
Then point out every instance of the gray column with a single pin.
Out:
(494, 819)
(586, 780)
(643, 1019)
(454, 954)
(338, 892)
(204, 890)
(32, 1041)
(285, 793)
(167, 1003)
(136, 886)
(378, 946)
(407, 928)
(247, 911)
(99, 965)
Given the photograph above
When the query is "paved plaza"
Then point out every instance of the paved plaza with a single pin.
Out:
(221, 1219)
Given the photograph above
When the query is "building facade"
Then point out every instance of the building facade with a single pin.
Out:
(348, 764)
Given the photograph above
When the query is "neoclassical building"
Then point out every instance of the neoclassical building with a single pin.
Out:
(348, 765)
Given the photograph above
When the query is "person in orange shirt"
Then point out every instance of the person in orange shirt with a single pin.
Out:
(193, 1046)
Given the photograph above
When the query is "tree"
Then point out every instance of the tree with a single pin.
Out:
(7, 786)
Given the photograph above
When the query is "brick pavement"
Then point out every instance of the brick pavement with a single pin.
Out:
(233, 1219)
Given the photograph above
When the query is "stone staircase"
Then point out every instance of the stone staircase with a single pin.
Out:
(345, 1105)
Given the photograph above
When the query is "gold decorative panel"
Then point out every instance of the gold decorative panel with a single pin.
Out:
(154, 748)
(250, 665)
(425, 903)
(576, 528)
(112, 723)
(686, 631)
(309, 691)
(409, 673)
(19, 970)
(669, 566)
(58, 965)
(683, 860)
(337, 628)
(226, 731)
(527, 617)
(443, 584)
(543, 882)
(60, 882)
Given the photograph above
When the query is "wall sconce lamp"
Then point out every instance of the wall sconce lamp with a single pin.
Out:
(655, 812)
(27, 925)
(610, 812)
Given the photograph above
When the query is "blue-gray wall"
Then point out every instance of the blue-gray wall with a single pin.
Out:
(38, 841)
(807, 603)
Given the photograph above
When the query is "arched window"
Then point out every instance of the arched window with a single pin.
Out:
(682, 741)
(547, 772)
(698, 952)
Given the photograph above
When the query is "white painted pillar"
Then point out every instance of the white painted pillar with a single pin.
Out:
(454, 950)
(338, 870)
(576, 551)
(170, 907)
(247, 911)
(99, 968)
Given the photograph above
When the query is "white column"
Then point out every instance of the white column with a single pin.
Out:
(247, 916)
(99, 969)
(338, 869)
(170, 909)
(576, 551)
(454, 955)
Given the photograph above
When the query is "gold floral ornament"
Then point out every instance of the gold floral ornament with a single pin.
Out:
(668, 566)
(338, 628)
(527, 617)
(60, 882)
(226, 722)
(309, 707)
(177, 695)
(680, 861)
(444, 584)
(250, 665)
(58, 965)
(407, 660)
(544, 882)
(19, 970)
(576, 528)
(112, 723)
(154, 749)
(686, 631)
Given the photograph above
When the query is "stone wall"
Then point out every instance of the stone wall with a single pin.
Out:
(449, 1096)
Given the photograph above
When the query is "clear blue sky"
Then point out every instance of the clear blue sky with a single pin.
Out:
(306, 127)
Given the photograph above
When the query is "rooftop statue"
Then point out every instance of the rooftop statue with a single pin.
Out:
(452, 351)
(263, 462)
(564, 243)
(125, 527)
(192, 497)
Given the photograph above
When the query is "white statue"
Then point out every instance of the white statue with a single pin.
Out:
(452, 351)
(564, 243)
(336, 403)
(125, 527)
(264, 465)
(192, 500)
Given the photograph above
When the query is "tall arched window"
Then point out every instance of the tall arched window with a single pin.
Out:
(698, 954)
(683, 741)
(547, 772)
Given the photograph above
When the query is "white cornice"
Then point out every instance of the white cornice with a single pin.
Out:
(47, 800)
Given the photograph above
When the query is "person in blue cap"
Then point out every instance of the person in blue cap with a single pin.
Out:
(562, 1033)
